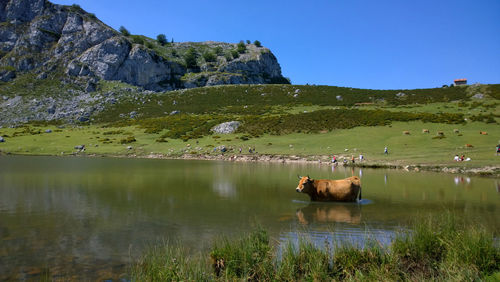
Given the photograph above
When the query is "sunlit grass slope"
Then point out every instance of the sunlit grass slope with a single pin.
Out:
(307, 121)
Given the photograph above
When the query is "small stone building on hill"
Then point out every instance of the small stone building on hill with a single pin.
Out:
(460, 81)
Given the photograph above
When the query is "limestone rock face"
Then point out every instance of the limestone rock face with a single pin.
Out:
(44, 38)
(103, 59)
(80, 34)
(148, 70)
(21, 10)
(262, 68)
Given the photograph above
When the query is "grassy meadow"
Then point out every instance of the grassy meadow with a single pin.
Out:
(311, 122)
(415, 148)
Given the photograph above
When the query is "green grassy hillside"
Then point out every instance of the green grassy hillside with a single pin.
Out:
(308, 121)
(259, 99)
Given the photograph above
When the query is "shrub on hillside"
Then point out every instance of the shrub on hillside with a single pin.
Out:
(127, 140)
(219, 51)
(137, 39)
(484, 118)
(241, 48)
(494, 91)
(316, 121)
(190, 58)
(124, 31)
(209, 56)
(235, 54)
(257, 43)
(162, 39)
(248, 100)
(181, 126)
(112, 132)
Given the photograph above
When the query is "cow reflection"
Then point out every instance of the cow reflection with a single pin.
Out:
(325, 213)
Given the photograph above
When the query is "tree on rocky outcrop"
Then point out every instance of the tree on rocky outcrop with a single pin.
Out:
(241, 47)
(209, 56)
(190, 58)
(124, 31)
(235, 54)
(248, 41)
(219, 51)
(257, 43)
(161, 38)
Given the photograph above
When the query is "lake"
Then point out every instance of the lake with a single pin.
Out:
(88, 218)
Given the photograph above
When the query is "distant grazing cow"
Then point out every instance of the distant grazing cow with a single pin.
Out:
(325, 190)
(469, 146)
(425, 130)
(406, 132)
(456, 131)
(483, 132)
(440, 133)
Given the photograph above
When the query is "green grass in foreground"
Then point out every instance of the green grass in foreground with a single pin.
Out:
(439, 249)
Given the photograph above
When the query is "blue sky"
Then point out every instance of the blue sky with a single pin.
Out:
(385, 44)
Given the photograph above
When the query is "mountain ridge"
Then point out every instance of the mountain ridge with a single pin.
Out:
(47, 39)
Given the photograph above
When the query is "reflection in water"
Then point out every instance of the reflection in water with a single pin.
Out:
(329, 213)
(461, 180)
(225, 189)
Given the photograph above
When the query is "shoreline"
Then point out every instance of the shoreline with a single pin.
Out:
(485, 171)
(489, 171)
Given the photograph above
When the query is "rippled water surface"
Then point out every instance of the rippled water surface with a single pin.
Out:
(88, 218)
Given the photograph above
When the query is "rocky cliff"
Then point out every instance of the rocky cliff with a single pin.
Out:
(69, 44)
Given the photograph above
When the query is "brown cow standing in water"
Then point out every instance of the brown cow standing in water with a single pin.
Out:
(325, 190)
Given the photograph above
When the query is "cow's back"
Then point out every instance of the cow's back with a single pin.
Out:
(338, 190)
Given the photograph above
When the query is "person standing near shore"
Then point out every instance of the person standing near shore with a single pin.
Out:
(386, 151)
(498, 149)
(334, 159)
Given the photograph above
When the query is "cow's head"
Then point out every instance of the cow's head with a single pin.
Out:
(305, 184)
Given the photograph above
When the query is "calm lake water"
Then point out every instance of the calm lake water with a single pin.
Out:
(88, 218)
